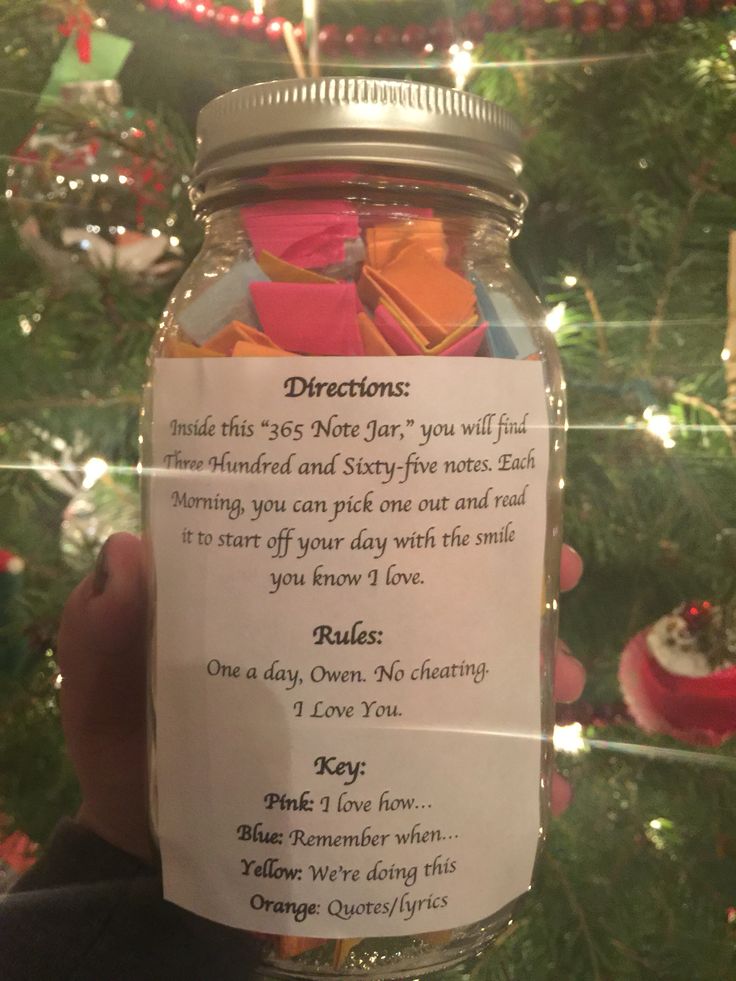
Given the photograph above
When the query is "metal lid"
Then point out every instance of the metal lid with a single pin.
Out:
(356, 120)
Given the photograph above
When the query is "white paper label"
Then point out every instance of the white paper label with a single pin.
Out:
(349, 564)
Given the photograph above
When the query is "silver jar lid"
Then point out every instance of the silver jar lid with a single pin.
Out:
(355, 120)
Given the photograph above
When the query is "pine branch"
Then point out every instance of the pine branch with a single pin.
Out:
(729, 344)
(581, 917)
(678, 238)
(698, 403)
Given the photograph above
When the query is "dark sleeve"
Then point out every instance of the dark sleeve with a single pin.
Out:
(90, 912)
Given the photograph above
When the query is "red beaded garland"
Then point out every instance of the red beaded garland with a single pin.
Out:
(473, 26)
(300, 36)
(386, 38)
(358, 40)
(442, 32)
(228, 19)
(180, 8)
(645, 13)
(414, 37)
(275, 30)
(253, 25)
(617, 14)
(503, 14)
(670, 11)
(202, 11)
(562, 14)
(533, 14)
(590, 17)
(330, 39)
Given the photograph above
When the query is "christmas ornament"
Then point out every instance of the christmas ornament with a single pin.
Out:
(17, 853)
(88, 190)
(678, 676)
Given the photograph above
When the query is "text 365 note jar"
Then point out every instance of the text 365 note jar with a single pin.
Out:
(353, 439)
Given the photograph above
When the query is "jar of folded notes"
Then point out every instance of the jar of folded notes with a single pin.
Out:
(353, 439)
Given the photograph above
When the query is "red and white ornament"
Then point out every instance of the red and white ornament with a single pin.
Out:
(677, 682)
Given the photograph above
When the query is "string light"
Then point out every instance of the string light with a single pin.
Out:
(461, 62)
(569, 739)
(93, 469)
(570, 281)
(555, 317)
(725, 354)
(659, 425)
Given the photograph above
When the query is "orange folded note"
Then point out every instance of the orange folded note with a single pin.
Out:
(374, 345)
(434, 297)
(280, 271)
(181, 349)
(293, 946)
(249, 349)
(225, 340)
(373, 291)
(385, 242)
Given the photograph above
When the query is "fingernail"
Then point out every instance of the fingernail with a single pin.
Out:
(100, 575)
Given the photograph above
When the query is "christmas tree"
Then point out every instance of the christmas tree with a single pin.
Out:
(630, 155)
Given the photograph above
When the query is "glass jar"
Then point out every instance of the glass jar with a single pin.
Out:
(354, 562)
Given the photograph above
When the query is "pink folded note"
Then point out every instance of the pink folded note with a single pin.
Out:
(310, 234)
(310, 318)
(393, 332)
(467, 346)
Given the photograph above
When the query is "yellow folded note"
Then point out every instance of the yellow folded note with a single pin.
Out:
(374, 292)
(280, 271)
(374, 344)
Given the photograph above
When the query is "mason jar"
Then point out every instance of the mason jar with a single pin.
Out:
(353, 439)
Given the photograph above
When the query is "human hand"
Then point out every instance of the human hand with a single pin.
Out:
(102, 659)
(569, 679)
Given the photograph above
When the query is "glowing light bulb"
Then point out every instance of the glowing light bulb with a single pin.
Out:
(725, 354)
(570, 281)
(555, 317)
(569, 739)
(461, 62)
(659, 425)
(93, 469)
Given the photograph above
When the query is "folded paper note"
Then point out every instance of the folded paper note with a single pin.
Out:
(375, 292)
(467, 346)
(385, 242)
(237, 333)
(394, 334)
(228, 298)
(433, 296)
(285, 272)
(180, 349)
(374, 343)
(509, 334)
(311, 234)
(249, 349)
(310, 318)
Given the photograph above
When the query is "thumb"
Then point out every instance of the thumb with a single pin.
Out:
(102, 658)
